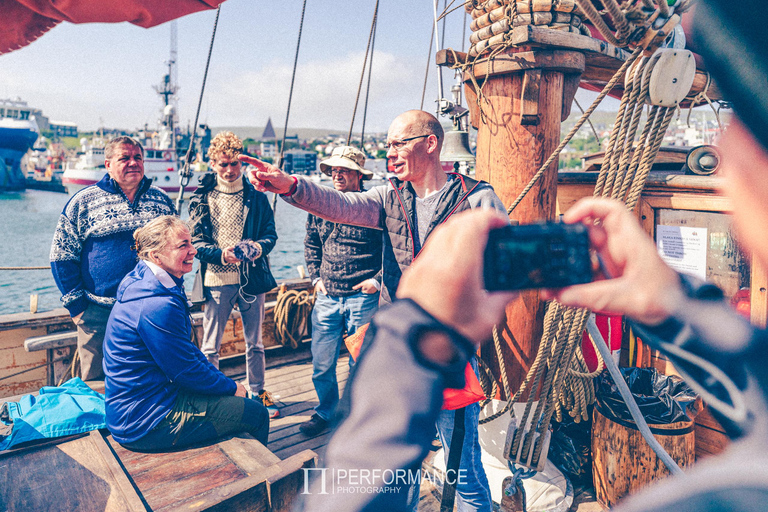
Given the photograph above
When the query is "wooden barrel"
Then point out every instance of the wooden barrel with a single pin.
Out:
(622, 461)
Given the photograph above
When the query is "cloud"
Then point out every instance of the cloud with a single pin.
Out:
(324, 93)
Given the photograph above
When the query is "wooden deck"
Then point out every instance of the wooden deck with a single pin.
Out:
(289, 379)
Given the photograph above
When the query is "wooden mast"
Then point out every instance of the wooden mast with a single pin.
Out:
(526, 95)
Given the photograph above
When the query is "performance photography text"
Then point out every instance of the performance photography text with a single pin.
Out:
(368, 481)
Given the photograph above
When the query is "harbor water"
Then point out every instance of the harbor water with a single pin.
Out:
(29, 219)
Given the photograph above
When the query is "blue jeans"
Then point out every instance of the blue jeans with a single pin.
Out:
(330, 317)
(473, 493)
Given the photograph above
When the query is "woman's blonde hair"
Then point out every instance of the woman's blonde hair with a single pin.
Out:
(155, 234)
(225, 144)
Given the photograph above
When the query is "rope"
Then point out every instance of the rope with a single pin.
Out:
(185, 174)
(368, 89)
(429, 64)
(701, 97)
(362, 75)
(567, 384)
(292, 314)
(592, 126)
(73, 370)
(290, 97)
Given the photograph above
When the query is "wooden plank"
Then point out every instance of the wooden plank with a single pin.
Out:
(285, 486)
(300, 444)
(249, 494)
(50, 341)
(16, 359)
(174, 494)
(28, 482)
(758, 295)
(249, 454)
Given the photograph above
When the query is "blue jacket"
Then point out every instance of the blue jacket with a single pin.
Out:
(91, 251)
(149, 356)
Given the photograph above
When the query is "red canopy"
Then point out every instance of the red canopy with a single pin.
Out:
(23, 21)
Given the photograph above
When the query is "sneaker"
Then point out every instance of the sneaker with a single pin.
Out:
(314, 426)
(266, 399)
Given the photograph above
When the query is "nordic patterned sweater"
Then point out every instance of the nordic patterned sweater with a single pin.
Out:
(92, 247)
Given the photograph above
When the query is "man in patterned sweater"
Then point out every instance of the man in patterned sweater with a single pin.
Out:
(92, 248)
(343, 262)
(230, 218)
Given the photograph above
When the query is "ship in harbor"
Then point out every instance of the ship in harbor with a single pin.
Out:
(18, 132)
(161, 165)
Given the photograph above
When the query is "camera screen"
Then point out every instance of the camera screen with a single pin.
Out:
(537, 256)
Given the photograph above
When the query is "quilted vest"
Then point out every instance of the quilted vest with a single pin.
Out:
(399, 246)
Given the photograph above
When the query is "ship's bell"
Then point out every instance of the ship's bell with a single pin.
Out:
(456, 147)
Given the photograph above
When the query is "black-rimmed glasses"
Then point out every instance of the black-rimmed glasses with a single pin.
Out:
(397, 145)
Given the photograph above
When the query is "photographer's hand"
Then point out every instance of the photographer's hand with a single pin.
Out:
(642, 287)
(447, 277)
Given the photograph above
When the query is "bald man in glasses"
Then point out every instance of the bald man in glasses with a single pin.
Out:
(408, 208)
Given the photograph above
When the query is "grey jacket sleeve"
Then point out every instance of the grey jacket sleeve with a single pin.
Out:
(485, 197)
(394, 402)
(359, 209)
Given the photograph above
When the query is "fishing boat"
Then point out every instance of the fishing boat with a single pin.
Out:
(526, 61)
(18, 132)
(161, 165)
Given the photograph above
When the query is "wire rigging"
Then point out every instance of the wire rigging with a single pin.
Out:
(362, 76)
(290, 96)
(368, 88)
(185, 174)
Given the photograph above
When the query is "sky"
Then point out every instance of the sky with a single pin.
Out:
(102, 74)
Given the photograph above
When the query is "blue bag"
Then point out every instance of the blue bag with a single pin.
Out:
(71, 408)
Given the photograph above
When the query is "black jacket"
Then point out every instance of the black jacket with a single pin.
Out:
(342, 255)
(259, 226)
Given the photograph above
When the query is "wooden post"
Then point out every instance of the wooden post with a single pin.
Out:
(525, 97)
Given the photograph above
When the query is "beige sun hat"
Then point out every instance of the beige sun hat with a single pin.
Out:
(347, 157)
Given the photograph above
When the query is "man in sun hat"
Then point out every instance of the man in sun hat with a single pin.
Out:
(344, 263)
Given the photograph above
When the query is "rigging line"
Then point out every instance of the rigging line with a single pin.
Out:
(439, 70)
(185, 173)
(594, 132)
(426, 72)
(368, 88)
(290, 97)
(442, 36)
(446, 12)
(365, 61)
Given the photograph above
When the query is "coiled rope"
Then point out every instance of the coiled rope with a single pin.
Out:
(292, 314)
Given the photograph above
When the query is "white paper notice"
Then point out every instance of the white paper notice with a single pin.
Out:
(684, 249)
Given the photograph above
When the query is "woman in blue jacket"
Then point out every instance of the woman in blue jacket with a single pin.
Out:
(161, 392)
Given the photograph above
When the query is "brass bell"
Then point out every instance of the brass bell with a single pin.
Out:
(456, 147)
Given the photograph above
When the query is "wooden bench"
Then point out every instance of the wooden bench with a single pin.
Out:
(94, 473)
